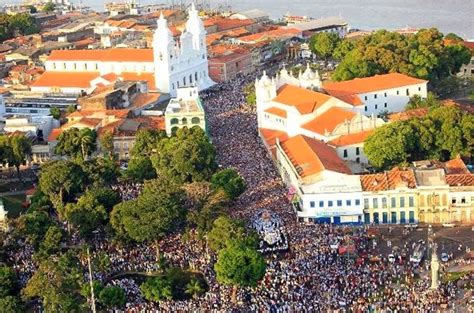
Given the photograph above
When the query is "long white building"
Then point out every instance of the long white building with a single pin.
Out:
(166, 67)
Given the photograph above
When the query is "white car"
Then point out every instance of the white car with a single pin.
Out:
(444, 257)
(449, 225)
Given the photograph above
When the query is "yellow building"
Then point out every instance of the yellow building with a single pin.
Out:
(184, 111)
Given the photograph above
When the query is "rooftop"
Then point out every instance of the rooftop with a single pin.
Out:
(320, 23)
(388, 180)
(108, 55)
(329, 120)
(304, 100)
(351, 139)
(65, 79)
(310, 156)
(277, 111)
(371, 84)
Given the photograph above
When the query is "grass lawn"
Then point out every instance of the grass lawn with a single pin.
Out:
(13, 204)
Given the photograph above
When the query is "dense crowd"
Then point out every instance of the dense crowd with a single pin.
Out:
(309, 276)
(128, 191)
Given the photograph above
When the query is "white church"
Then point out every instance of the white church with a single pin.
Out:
(166, 67)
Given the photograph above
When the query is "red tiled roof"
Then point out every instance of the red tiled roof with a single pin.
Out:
(277, 111)
(455, 166)
(351, 139)
(65, 79)
(460, 180)
(388, 180)
(304, 100)
(406, 115)
(329, 120)
(143, 99)
(108, 55)
(148, 77)
(270, 136)
(279, 33)
(371, 84)
(310, 156)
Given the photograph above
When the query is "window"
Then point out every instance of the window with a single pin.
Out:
(419, 88)
(394, 202)
(375, 96)
(365, 108)
(385, 94)
(357, 202)
(348, 202)
(85, 66)
(366, 203)
(384, 202)
(75, 65)
(345, 153)
(184, 121)
(463, 200)
(408, 92)
(339, 202)
(453, 201)
(402, 202)
(375, 203)
(172, 84)
(174, 121)
(195, 120)
(358, 160)
(357, 150)
(365, 98)
(398, 92)
(329, 203)
(376, 107)
(312, 204)
(385, 105)
(411, 201)
(321, 204)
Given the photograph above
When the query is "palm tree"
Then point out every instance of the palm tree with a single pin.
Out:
(193, 288)
(85, 139)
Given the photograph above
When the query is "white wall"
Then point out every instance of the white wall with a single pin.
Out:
(352, 153)
(391, 100)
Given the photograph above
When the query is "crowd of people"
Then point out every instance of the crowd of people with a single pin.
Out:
(308, 276)
(128, 191)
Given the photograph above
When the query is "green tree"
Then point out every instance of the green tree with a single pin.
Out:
(15, 150)
(140, 169)
(33, 226)
(52, 240)
(323, 44)
(342, 49)
(70, 109)
(205, 205)
(76, 143)
(86, 215)
(249, 91)
(8, 281)
(390, 145)
(146, 141)
(55, 112)
(194, 288)
(99, 172)
(230, 181)
(49, 7)
(239, 265)
(106, 141)
(188, 156)
(223, 230)
(158, 211)
(32, 9)
(112, 297)
(157, 289)
(57, 283)
(61, 180)
(11, 304)
(417, 102)
(22, 24)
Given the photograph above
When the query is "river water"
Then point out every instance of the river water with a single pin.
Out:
(447, 15)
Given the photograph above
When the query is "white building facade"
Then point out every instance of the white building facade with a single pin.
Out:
(167, 66)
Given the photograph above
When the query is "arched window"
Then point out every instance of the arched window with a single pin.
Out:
(174, 121)
(174, 130)
(195, 120)
(172, 84)
(184, 121)
(195, 76)
(191, 78)
(184, 81)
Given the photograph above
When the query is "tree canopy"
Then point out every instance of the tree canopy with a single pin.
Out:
(158, 211)
(185, 157)
(15, 150)
(323, 44)
(230, 181)
(424, 55)
(76, 143)
(17, 24)
(443, 133)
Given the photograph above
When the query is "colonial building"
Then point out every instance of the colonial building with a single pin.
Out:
(184, 111)
(292, 105)
(166, 67)
(379, 93)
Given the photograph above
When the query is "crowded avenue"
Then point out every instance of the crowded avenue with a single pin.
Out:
(309, 276)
